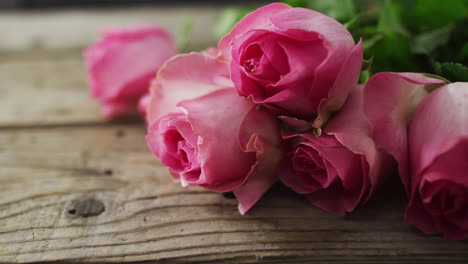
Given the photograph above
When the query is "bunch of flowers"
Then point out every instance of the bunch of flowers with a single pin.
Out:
(278, 100)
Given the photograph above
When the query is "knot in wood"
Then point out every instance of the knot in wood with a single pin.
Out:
(87, 207)
(229, 195)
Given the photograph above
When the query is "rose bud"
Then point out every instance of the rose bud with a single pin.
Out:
(389, 101)
(193, 143)
(438, 152)
(340, 169)
(122, 64)
(295, 61)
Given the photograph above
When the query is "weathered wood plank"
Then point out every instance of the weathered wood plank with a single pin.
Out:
(42, 75)
(46, 173)
(45, 90)
(77, 28)
(56, 156)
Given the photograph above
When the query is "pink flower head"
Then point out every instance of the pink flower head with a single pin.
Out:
(390, 99)
(340, 169)
(121, 65)
(295, 61)
(206, 134)
(423, 124)
(438, 151)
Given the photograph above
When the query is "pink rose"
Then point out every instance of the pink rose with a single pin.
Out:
(122, 64)
(295, 61)
(339, 169)
(214, 139)
(438, 142)
(427, 134)
(389, 101)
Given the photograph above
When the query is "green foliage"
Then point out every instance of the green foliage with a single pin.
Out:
(366, 70)
(228, 18)
(427, 42)
(464, 52)
(341, 10)
(452, 71)
(296, 3)
(393, 45)
(390, 19)
(401, 35)
(184, 36)
(436, 13)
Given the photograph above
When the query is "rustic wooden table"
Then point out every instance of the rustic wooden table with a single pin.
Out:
(74, 188)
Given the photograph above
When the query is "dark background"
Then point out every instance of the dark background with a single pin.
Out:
(34, 4)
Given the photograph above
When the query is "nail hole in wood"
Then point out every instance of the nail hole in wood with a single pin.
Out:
(120, 133)
(108, 172)
(87, 207)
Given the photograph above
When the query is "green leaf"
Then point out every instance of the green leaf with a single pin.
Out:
(228, 18)
(364, 77)
(351, 23)
(390, 18)
(427, 42)
(183, 36)
(370, 42)
(392, 53)
(437, 13)
(341, 10)
(296, 3)
(455, 72)
(367, 64)
(345, 11)
(464, 52)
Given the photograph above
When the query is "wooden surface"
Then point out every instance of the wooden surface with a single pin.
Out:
(76, 189)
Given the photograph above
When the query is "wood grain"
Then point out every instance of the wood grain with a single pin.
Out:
(74, 188)
(147, 217)
(45, 89)
(75, 29)
(42, 74)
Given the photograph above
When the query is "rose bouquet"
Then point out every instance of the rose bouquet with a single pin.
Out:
(278, 100)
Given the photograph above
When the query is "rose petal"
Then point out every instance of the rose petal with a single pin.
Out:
(259, 133)
(143, 104)
(337, 40)
(445, 114)
(222, 171)
(345, 81)
(352, 129)
(258, 19)
(389, 101)
(291, 21)
(115, 77)
(438, 155)
(184, 77)
(163, 138)
(326, 199)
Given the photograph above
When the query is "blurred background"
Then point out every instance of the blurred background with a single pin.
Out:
(41, 26)
(429, 36)
(15, 4)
